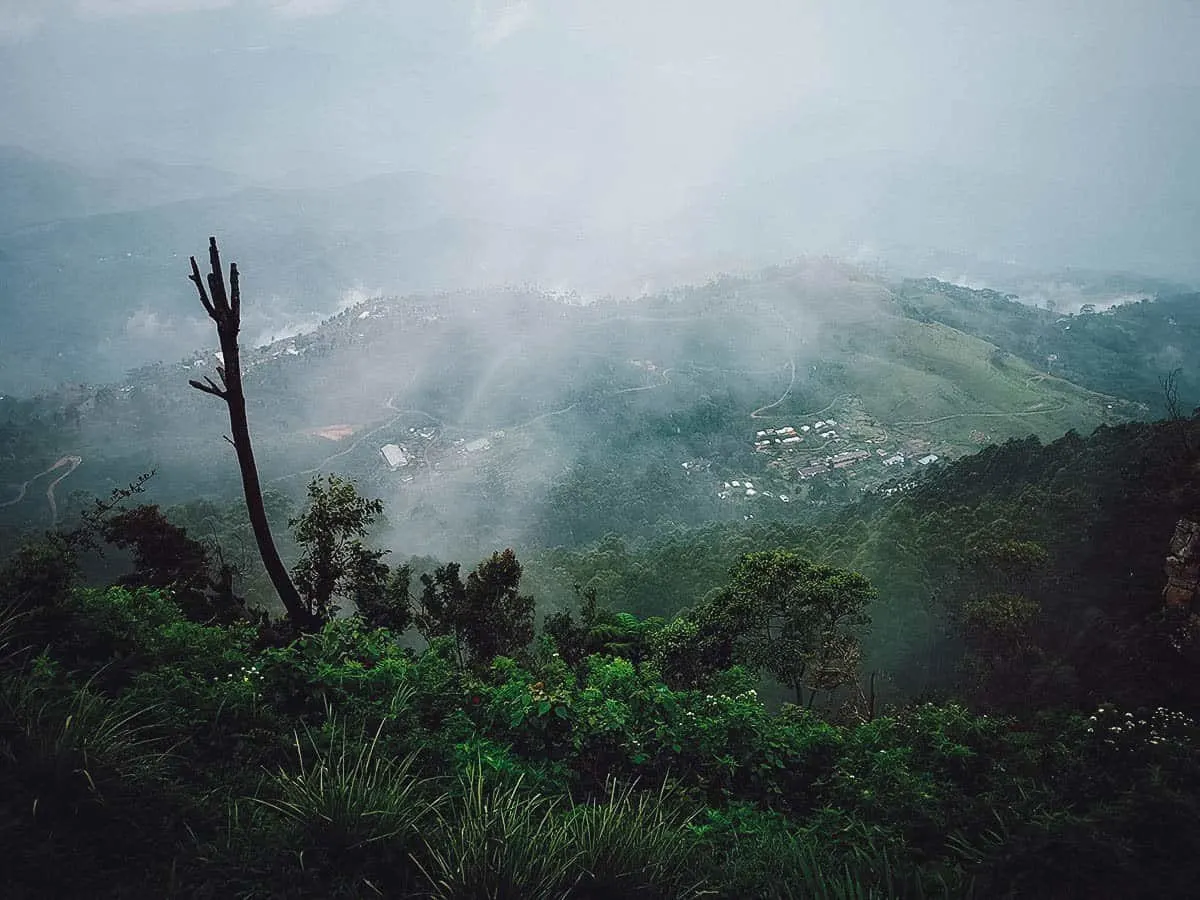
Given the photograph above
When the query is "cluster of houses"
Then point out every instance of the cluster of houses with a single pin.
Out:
(746, 488)
(788, 437)
(842, 460)
(848, 458)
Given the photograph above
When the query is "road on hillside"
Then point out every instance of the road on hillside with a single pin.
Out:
(984, 415)
(72, 462)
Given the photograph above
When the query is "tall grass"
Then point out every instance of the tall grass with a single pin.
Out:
(87, 736)
(635, 845)
(351, 795)
(10, 615)
(500, 844)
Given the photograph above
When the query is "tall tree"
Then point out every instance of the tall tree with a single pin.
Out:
(225, 308)
(336, 563)
(796, 619)
(487, 616)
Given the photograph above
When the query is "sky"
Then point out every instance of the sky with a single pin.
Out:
(1044, 133)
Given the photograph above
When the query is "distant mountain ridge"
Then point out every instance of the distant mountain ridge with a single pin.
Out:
(36, 190)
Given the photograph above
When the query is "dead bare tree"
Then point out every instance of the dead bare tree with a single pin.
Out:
(1170, 386)
(225, 309)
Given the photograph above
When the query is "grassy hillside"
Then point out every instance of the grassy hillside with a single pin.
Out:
(531, 420)
(1125, 350)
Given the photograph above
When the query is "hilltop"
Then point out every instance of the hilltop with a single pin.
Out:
(534, 419)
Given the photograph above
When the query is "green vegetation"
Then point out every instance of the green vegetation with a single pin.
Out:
(877, 661)
(1123, 352)
(170, 747)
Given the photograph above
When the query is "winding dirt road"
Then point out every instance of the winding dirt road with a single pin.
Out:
(987, 415)
(71, 461)
(758, 413)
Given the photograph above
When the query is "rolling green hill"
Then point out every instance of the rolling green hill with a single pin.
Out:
(531, 419)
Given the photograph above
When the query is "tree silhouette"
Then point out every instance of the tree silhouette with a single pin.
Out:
(225, 309)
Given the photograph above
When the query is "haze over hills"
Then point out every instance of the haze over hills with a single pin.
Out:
(530, 419)
(120, 238)
(814, 383)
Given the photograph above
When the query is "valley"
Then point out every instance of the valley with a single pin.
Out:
(514, 412)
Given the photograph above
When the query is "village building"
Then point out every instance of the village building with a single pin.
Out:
(926, 460)
(848, 458)
(394, 456)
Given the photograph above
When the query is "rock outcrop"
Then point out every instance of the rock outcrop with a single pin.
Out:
(1183, 566)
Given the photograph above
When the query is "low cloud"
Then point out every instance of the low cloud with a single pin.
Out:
(299, 9)
(22, 19)
(110, 8)
(492, 23)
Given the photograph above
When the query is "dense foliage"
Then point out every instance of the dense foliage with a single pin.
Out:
(170, 747)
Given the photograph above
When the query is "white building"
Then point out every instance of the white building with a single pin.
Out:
(926, 460)
(393, 456)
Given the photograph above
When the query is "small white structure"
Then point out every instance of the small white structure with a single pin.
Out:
(794, 439)
(926, 460)
(750, 492)
(393, 456)
(804, 428)
(736, 483)
(894, 460)
(819, 425)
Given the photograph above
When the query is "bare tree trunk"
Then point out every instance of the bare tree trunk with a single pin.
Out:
(225, 310)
